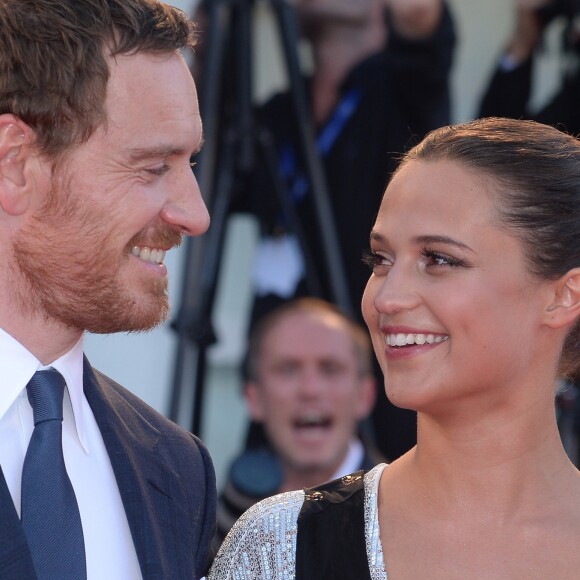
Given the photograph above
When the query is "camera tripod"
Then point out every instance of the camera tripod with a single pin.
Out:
(233, 144)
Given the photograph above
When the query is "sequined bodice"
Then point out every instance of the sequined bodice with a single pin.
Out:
(262, 544)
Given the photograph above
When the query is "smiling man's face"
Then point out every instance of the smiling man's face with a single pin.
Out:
(91, 255)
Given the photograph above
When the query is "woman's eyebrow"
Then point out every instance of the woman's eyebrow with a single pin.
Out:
(424, 239)
(439, 239)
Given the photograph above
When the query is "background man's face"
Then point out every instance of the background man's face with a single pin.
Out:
(310, 395)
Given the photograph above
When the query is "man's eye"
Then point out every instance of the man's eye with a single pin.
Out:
(332, 368)
(160, 170)
(287, 369)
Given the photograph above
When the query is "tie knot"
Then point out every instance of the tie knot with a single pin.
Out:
(45, 392)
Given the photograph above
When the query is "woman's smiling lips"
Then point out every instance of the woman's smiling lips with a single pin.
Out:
(406, 342)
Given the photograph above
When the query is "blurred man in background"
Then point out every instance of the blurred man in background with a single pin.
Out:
(380, 81)
(310, 384)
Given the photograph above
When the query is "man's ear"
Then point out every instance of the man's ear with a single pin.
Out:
(564, 309)
(16, 144)
(254, 401)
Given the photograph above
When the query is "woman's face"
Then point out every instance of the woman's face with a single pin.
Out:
(452, 309)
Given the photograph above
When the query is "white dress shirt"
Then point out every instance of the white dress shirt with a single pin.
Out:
(110, 551)
(353, 460)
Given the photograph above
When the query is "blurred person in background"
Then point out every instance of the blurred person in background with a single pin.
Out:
(379, 83)
(379, 80)
(310, 383)
(568, 412)
(510, 89)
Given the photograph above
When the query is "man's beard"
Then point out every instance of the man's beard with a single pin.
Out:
(69, 272)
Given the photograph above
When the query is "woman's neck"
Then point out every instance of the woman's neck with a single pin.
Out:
(520, 457)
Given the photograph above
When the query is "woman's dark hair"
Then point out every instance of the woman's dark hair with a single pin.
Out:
(537, 168)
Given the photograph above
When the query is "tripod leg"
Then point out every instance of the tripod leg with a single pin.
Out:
(287, 24)
(227, 115)
(210, 271)
(193, 286)
(266, 150)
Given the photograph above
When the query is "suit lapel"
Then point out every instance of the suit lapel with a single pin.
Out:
(15, 558)
(143, 479)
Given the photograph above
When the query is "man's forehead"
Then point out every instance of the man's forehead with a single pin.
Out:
(309, 335)
(307, 319)
(151, 105)
(143, 76)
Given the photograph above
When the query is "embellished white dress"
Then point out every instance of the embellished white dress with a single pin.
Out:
(262, 543)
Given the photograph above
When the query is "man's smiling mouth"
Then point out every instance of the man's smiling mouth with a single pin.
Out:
(147, 254)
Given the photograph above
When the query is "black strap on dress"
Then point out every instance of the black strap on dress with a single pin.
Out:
(331, 532)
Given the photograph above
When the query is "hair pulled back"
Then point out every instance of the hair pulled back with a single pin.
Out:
(537, 169)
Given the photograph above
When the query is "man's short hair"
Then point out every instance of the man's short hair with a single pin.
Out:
(316, 306)
(53, 59)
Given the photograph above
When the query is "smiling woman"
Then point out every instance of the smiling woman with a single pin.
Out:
(473, 306)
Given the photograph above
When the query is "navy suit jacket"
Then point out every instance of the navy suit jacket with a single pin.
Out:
(166, 480)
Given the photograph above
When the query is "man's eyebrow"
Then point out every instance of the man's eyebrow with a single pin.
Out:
(143, 154)
(162, 151)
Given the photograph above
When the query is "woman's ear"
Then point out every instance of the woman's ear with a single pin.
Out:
(565, 306)
(16, 148)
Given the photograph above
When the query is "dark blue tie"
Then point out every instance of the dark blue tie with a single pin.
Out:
(50, 514)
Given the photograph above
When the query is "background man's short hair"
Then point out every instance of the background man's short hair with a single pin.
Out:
(265, 325)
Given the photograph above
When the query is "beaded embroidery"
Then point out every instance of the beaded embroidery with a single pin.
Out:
(262, 544)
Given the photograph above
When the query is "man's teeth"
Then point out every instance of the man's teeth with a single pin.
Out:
(151, 255)
(402, 339)
(314, 420)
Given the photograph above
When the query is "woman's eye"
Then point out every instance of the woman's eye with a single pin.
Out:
(438, 259)
(376, 262)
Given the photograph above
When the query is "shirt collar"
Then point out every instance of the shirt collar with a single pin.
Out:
(353, 460)
(17, 365)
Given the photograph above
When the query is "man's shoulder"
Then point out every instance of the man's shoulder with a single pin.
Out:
(134, 411)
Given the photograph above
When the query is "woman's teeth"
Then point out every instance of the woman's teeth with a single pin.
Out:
(151, 255)
(402, 339)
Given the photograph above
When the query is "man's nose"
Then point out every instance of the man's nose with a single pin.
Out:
(311, 383)
(185, 208)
